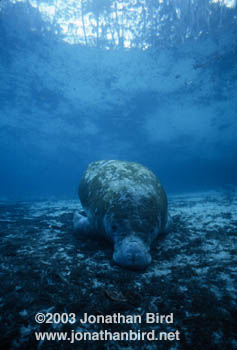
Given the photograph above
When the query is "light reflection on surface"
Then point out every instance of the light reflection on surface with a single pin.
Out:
(85, 22)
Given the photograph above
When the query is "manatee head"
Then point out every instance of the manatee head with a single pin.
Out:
(132, 228)
(132, 253)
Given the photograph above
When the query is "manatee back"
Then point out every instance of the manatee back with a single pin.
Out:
(125, 190)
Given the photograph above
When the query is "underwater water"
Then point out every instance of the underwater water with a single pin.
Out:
(171, 108)
(160, 89)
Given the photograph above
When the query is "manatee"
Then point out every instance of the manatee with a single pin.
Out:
(124, 202)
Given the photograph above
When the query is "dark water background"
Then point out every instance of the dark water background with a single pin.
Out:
(171, 107)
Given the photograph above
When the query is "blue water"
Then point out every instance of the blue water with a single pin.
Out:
(171, 107)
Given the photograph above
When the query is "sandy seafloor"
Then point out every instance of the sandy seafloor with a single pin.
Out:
(46, 268)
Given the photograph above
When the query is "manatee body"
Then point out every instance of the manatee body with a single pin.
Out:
(125, 202)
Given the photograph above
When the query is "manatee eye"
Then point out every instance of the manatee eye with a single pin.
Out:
(114, 227)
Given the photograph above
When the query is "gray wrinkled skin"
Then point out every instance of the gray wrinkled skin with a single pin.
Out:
(124, 202)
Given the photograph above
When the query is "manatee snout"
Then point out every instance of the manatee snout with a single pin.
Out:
(132, 254)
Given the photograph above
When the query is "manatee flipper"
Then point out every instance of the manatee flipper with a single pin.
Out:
(81, 223)
(168, 225)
